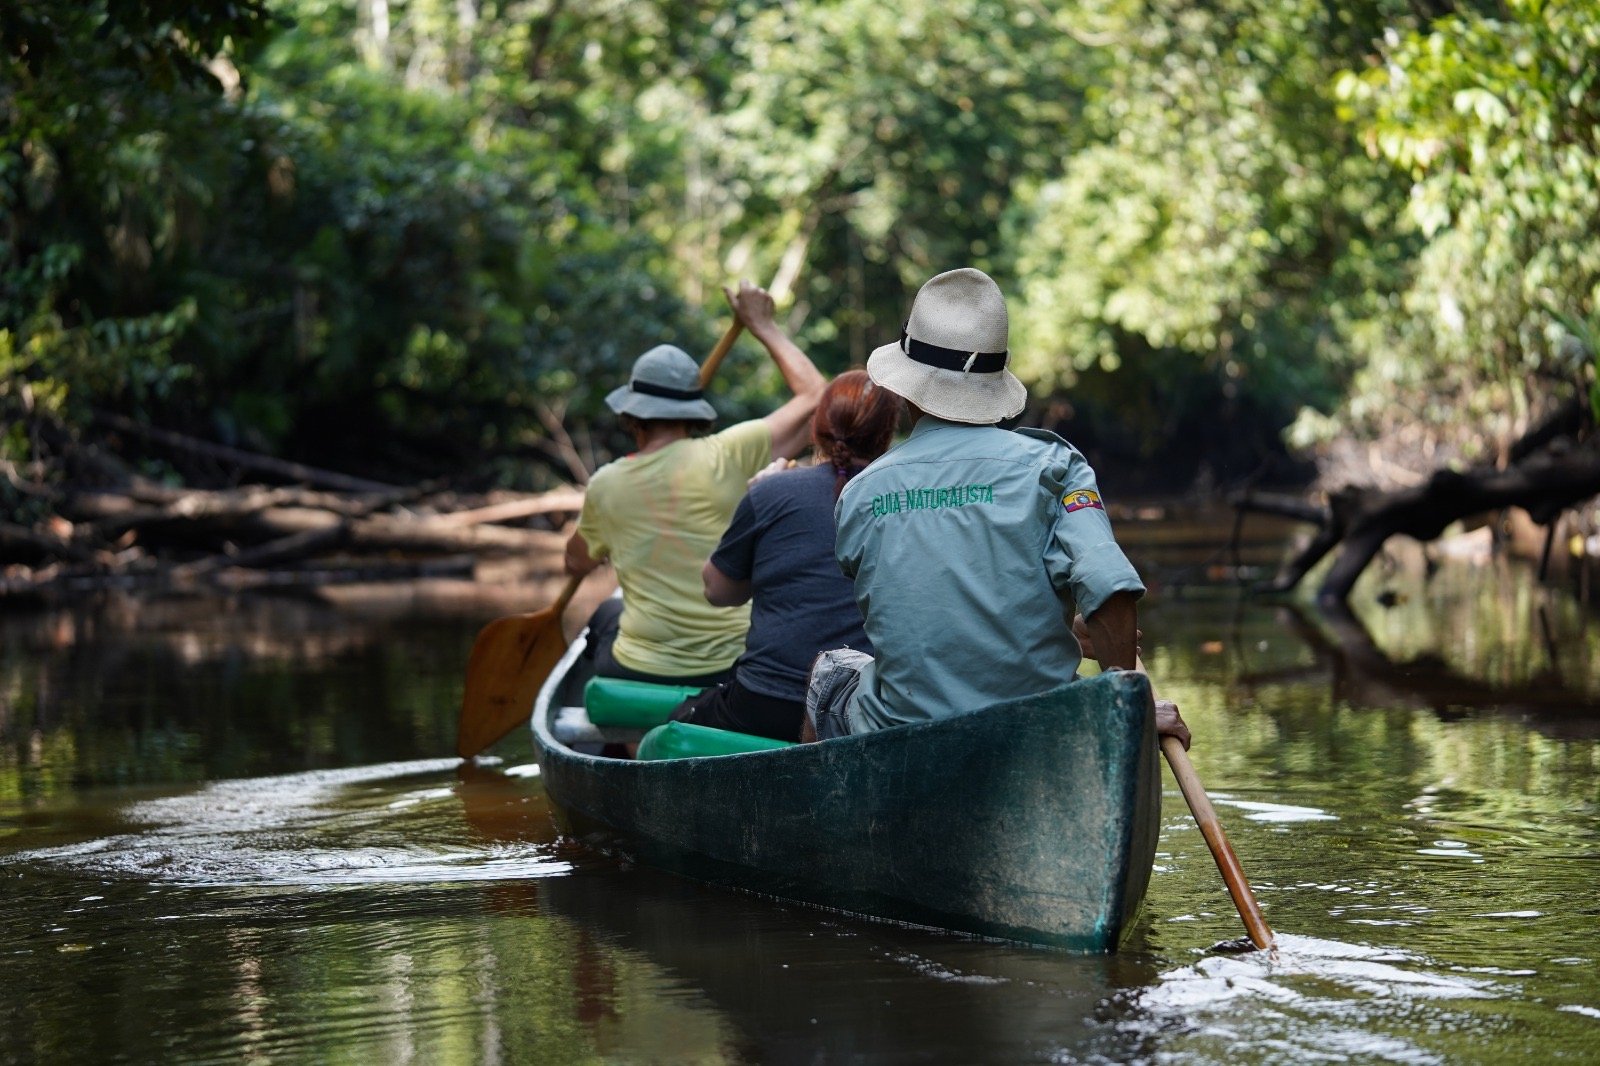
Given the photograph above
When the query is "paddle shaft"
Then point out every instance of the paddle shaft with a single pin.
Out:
(1227, 862)
(1206, 818)
(709, 369)
(567, 593)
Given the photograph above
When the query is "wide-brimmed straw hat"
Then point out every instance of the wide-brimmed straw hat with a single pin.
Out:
(951, 357)
(665, 384)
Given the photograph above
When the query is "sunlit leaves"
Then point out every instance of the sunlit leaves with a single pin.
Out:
(1495, 119)
(1222, 228)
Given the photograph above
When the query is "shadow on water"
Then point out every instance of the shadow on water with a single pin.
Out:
(135, 693)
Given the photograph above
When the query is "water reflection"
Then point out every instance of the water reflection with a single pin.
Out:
(163, 691)
(1361, 673)
(227, 833)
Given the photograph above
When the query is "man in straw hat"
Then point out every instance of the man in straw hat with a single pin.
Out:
(657, 513)
(970, 545)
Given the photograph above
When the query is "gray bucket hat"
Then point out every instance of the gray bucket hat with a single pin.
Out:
(665, 384)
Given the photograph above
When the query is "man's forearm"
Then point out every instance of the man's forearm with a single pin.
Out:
(799, 372)
(576, 558)
(1114, 629)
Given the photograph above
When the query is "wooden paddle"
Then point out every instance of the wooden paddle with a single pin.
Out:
(512, 656)
(1227, 862)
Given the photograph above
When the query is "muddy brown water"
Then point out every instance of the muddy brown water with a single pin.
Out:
(231, 831)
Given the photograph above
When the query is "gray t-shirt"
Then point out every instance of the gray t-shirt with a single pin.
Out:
(781, 541)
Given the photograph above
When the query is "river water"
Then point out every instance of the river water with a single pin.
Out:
(230, 831)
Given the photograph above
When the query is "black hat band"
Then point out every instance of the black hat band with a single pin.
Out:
(951, 358)
(666, 392)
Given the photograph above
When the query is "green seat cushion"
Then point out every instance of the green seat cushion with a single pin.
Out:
(684, 740)
(611, 701)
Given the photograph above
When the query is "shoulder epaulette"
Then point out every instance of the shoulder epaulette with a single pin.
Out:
(1041, 434)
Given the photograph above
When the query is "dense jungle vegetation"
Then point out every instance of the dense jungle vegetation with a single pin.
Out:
(413, 238)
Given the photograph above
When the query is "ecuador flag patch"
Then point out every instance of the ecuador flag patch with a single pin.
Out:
(1082, 499)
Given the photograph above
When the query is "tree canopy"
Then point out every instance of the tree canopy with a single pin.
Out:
(422, 234)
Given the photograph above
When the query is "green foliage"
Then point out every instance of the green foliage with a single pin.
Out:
(99, 96)
(320, 259)
(405, 233)
(1221, 228)
(1495, 121)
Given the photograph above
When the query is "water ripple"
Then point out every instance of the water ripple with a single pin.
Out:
(385, 824)
(1312, 1000)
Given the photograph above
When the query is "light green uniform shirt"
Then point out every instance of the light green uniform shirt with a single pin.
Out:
(970, 547)
(658, 517)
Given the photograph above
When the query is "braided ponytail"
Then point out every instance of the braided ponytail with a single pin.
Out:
(854, 423)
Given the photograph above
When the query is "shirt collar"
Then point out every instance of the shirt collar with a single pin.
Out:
(929, 424)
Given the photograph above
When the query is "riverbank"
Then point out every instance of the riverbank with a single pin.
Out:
(225, 521)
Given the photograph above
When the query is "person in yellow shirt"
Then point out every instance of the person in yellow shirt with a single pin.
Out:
(657, 513)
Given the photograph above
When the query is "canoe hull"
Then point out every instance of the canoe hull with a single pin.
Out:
(1033, 820)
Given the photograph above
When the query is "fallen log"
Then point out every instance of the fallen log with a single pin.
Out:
(131, 533)
(256, 514)
(552, 502)
(20, 540)
(285, 549)
(346, 572)
(110, 514)
(297, 545)
(1552, 467)
(147, 505)
(55, 582)
(397, 533)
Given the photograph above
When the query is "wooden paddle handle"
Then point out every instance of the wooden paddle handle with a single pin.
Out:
(1217, 841)
(708, 369)
(567, 594)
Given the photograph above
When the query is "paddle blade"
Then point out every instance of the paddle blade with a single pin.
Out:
(510, 660)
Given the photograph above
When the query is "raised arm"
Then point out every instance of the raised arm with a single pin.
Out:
(790, 424)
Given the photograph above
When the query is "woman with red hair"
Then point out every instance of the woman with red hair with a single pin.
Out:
(778, 555)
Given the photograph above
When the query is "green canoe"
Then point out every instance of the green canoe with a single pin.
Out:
(1033, 820)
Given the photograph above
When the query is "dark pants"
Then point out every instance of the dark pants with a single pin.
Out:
(603, 626)
(732, 706)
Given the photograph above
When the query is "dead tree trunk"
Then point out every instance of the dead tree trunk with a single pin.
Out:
(1552, 467)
